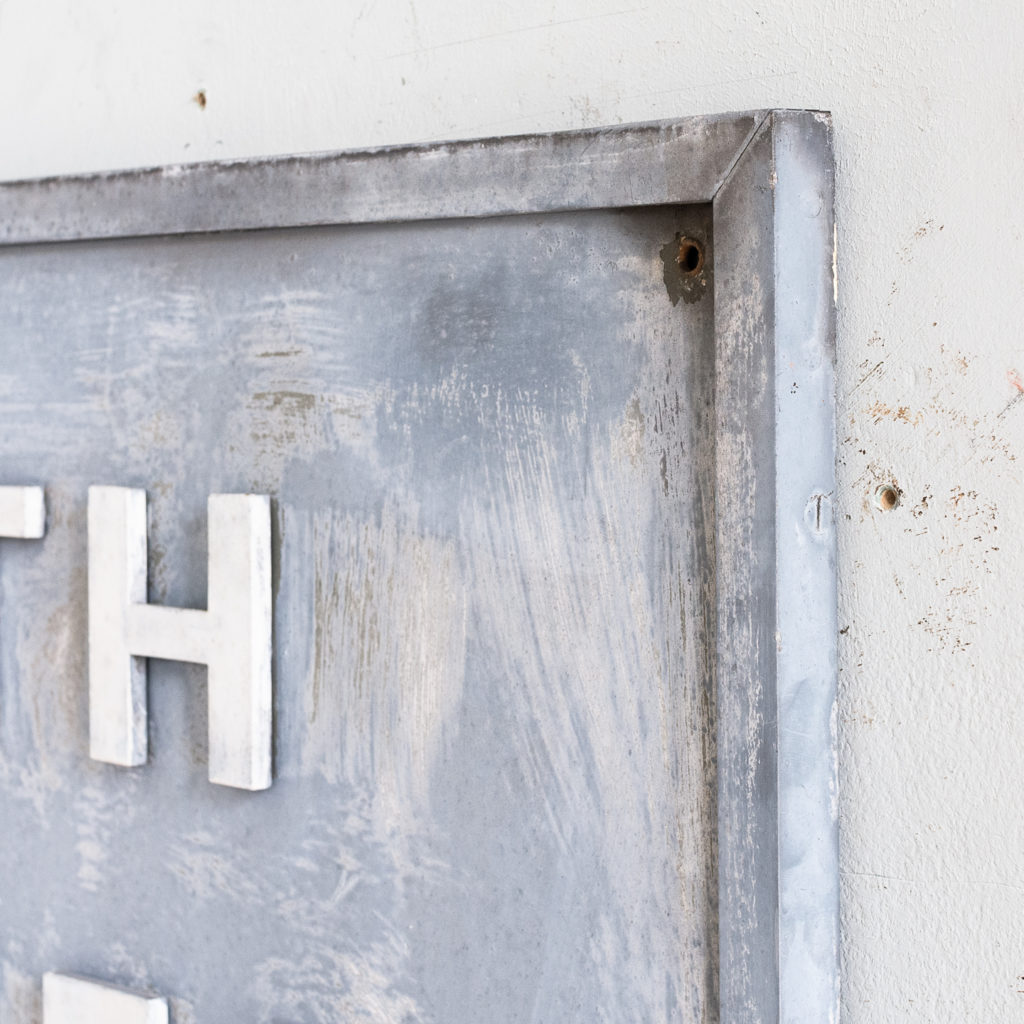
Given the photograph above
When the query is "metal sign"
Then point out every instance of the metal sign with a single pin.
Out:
(435, 614)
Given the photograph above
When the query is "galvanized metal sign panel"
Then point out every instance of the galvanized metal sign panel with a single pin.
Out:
(405, 636)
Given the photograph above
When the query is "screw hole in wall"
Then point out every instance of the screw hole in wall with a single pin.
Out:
(887, 497)
(691, 257)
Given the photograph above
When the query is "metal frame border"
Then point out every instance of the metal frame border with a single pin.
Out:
(769, 175)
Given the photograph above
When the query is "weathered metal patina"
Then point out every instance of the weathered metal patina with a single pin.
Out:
(547, 426)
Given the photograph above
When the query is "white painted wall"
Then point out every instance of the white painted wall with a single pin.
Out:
(928, 98)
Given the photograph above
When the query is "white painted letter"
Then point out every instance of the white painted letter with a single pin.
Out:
(22, 512)
(71, 1000)
(232, 638)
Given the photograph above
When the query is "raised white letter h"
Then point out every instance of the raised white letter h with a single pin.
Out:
(232, 638)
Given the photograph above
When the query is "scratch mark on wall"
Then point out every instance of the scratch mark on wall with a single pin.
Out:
(867, 376)
(880, 411)
(544, 26)
(1015, 381)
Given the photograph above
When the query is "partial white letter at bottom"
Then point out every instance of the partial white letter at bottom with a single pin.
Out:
(68, 999)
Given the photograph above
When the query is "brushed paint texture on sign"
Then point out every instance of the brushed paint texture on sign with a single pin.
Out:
(488, 449)
(68, 999)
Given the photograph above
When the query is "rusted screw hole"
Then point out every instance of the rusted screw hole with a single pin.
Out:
(691, 257)
(887, 497)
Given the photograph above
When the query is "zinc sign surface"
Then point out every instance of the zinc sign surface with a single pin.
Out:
(374, 614)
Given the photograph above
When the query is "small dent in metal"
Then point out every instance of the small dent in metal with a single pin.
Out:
(818, 512)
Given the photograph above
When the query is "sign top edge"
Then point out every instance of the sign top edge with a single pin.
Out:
(675, 161)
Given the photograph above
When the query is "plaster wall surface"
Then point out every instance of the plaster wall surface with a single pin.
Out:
(928, 106)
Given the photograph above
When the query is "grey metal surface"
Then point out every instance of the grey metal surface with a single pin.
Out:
(494, 796)
(746, 591)
(531, 520)
(776, 582)
(681, 161)
(805, 295)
